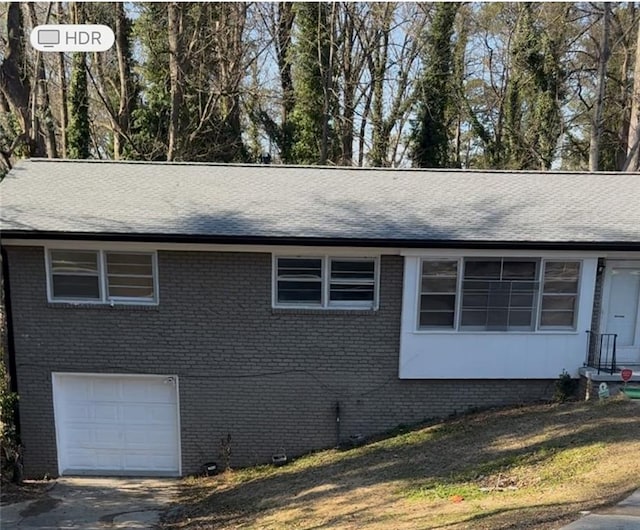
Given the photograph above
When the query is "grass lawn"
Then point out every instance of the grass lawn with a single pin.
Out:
(528, 467)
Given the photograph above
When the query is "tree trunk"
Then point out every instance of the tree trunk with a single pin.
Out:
(350, 80)
(174, 12)
(62, 78)
(40, 106)
(379, 145)
(632, 162)
(14, 82)
(597, 122)
(124, 74)
(326, 61)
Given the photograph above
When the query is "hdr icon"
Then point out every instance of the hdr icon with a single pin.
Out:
(72, 38)
(83, 37)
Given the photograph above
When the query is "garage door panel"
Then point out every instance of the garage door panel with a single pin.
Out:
(148, 414)
(78, 412)
(79, 437)
(83, 459)
(116, 424)
(145, 462)
(104, 390)
(105, 413)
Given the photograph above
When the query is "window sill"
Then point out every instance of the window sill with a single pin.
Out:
(484, 333)
(322, 311)
(103, 306)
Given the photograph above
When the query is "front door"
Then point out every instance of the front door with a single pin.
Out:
(622, 316)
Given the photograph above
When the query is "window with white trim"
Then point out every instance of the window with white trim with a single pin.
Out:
(325, 282)
(498, 294)
(100, 276)
(129, 276)
(559, 294)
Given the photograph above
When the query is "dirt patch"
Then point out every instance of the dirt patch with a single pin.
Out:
(529, 467)
(11, 493)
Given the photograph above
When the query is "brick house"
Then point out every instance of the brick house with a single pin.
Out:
(156, 308)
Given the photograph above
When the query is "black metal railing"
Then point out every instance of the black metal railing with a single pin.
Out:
(601, 351)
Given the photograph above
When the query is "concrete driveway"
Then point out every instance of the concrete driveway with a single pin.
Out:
(93, 503)
(623, 516)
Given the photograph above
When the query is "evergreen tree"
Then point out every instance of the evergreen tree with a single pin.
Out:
(312, 73)
(78, 133)
(430, 136)
(533, 94)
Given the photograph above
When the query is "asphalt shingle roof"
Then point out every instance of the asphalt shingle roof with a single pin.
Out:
(304, 202)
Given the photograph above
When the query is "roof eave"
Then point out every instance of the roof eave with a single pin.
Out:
(8, 235)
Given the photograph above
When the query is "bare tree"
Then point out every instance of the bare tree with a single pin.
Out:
(632, 162)
(598, 109)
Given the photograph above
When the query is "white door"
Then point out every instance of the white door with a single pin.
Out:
(117, 424)
(622, 313)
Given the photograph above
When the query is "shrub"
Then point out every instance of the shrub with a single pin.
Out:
(11, 458)
(565, 387)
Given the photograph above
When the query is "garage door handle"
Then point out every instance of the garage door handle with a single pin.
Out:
(618, 316)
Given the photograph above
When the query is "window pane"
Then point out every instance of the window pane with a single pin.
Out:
(557, 319)
(130, 264)
(480, 269)
(566, 303)
(476, 286)
(440, 268)
(474, 318)
(560, 294)
(130, 281)
(75, 287)
(498, 299)
(356, 293)
(497, 319)
(438, 294)
(436, 319)
(519, 270)
(524, 286)
(300, 267)
(475, 300)
(561, 287)
(520, 319)
(352, 270)
(522, 300)
(130, 292)
(130, 275)
(499, 294)
(557, 270)
(74, 261)
(299, 292)
(439, 285)
(437, 302)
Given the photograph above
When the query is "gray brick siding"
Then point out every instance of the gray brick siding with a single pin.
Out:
(270, 378)
(595, 318)
(597, 297)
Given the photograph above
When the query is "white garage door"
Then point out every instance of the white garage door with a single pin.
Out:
(117, 424)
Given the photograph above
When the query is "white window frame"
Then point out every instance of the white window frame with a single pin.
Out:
(325, 303)
(541, 296)
(537, 328)
(104, 298)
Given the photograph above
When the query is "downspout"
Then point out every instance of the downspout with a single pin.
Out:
(11, 345)
(337, 424)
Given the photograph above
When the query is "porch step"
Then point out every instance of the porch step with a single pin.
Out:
(631, 392)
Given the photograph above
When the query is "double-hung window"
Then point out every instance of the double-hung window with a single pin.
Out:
(498, 294)
(101, 276)
(559, 294)
(325, 282)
